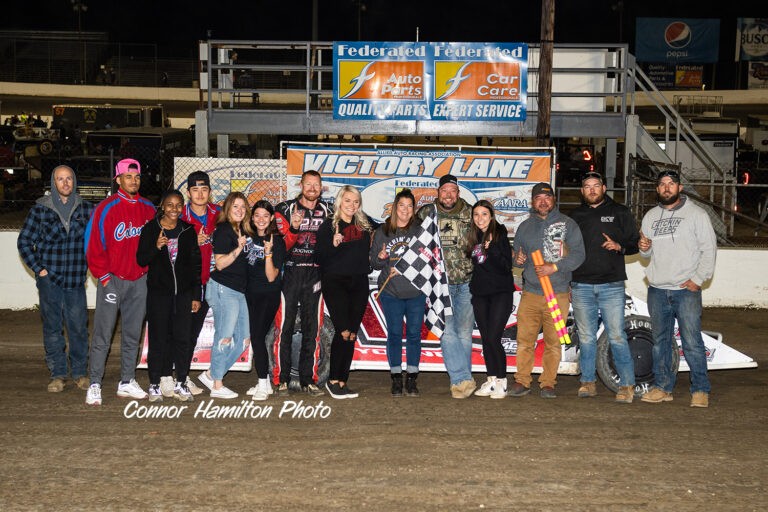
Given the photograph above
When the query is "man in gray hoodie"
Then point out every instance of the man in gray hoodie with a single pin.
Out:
(678, 237)
(51, 243)
(559, 239)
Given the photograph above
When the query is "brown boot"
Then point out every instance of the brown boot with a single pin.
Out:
(625, 394)
(587, 390)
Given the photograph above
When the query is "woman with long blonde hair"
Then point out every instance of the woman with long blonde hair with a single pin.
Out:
(343, 242)
(225, 292)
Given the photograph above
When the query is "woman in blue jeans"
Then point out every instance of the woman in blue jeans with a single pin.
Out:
(398, 297)
(225, 292)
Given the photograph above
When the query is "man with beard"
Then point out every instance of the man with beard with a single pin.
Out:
(597, 290)
(454, 218)
(678, 237)
(298, 220)
(559, 240)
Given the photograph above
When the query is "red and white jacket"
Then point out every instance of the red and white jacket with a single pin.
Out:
(112, 236)
(206, 250)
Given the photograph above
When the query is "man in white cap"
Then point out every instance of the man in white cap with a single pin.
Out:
(111, 242)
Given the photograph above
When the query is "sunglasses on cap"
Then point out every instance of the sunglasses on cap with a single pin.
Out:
(591, 175)
(673, 175)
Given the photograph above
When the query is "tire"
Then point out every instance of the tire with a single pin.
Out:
(326, 336)
(640, 340)
(45, 147)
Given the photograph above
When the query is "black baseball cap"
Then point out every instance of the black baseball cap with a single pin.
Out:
(198, 179)
(592, 175)
(542, 188)
(448, 178)
(673, 175)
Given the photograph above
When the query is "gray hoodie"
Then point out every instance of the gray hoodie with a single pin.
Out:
(559, 239)
(54, 202)
(683, 245)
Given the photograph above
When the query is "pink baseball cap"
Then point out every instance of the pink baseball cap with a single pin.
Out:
(127, 165)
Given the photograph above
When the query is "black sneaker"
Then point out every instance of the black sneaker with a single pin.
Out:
(282, 389)
(312, 390)
(336, 391)
(410, 385)
(518, 389)
(397, 384)
(349, 392)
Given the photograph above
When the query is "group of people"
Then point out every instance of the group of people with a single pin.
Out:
(256, 264)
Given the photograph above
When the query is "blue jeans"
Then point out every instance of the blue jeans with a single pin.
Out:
(394, 311)
(664, 306)
(60, 307)
(456, 342)
(608, 298)
(231, 327)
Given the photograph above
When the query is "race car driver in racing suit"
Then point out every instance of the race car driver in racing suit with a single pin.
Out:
(298, 220)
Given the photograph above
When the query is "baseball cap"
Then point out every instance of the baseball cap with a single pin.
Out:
(542, 188)
(592, 175)
(673, 175)
(127, 165)
(448, 178)
(198, 179)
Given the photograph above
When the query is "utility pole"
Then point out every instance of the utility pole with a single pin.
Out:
(543, 124)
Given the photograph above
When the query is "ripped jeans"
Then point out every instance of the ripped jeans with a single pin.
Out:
(230, 322)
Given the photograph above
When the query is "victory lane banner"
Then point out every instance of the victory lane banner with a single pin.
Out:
(437, 81)
(505, 178)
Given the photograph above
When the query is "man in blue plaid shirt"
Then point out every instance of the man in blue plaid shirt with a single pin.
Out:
(51, 243)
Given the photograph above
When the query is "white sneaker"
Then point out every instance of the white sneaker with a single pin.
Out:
(166, 386)
(155, 392)
(486, 389)
(131, 390)
(206, 380)
(93, 395)
(499, 388)
(261, 390)
(223, 392)
(182, 393)
(193, 388)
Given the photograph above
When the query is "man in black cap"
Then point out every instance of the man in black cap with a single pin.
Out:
(454, 217)
(597, 290)
(562, 248)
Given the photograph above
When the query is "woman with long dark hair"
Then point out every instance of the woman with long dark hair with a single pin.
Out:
(265, 260)
(168, 246)
(343, 242)
(398, 297)
(225, 292)
(492, 288)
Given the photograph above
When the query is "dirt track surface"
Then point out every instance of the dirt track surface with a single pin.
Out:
(380, 453)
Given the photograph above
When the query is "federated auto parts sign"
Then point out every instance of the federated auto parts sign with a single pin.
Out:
(437, 81)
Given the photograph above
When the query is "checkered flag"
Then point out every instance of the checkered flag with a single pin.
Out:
(422, 264)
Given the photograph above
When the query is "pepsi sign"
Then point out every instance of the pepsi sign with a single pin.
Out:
(677, 40)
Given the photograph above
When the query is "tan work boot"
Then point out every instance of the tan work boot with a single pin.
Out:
(625, 394)
(656, 395)
(83, 383)
(700, 399)
(56, 385)
(588, 390)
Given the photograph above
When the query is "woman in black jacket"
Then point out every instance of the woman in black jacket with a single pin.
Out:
(492, 288)
(168, 246)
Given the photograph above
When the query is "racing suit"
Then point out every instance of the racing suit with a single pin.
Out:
(301, 285)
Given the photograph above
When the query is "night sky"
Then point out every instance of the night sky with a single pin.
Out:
(175, 25)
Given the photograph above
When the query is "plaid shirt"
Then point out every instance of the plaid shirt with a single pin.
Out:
(44, 243)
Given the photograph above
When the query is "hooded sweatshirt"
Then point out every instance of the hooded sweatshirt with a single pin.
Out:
(396, 244)
(454, 229)
(53, 238)
(559, 240)
(683, 245)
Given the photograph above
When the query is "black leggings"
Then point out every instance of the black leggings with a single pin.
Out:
(346, 297)
(261, 313)
(491, 315)
(168, 323)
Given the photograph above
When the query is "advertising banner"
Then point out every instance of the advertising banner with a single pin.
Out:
(677, 40)
(438, 81)
(758, 75)
(752, 39)
(503, 178)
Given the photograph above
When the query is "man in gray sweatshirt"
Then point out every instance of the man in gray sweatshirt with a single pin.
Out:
(559, 239)
(678, 237)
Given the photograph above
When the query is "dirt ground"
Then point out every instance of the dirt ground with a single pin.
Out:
(380, 453)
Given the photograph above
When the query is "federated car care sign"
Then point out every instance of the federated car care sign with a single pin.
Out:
(437, 81)
(504, 178)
